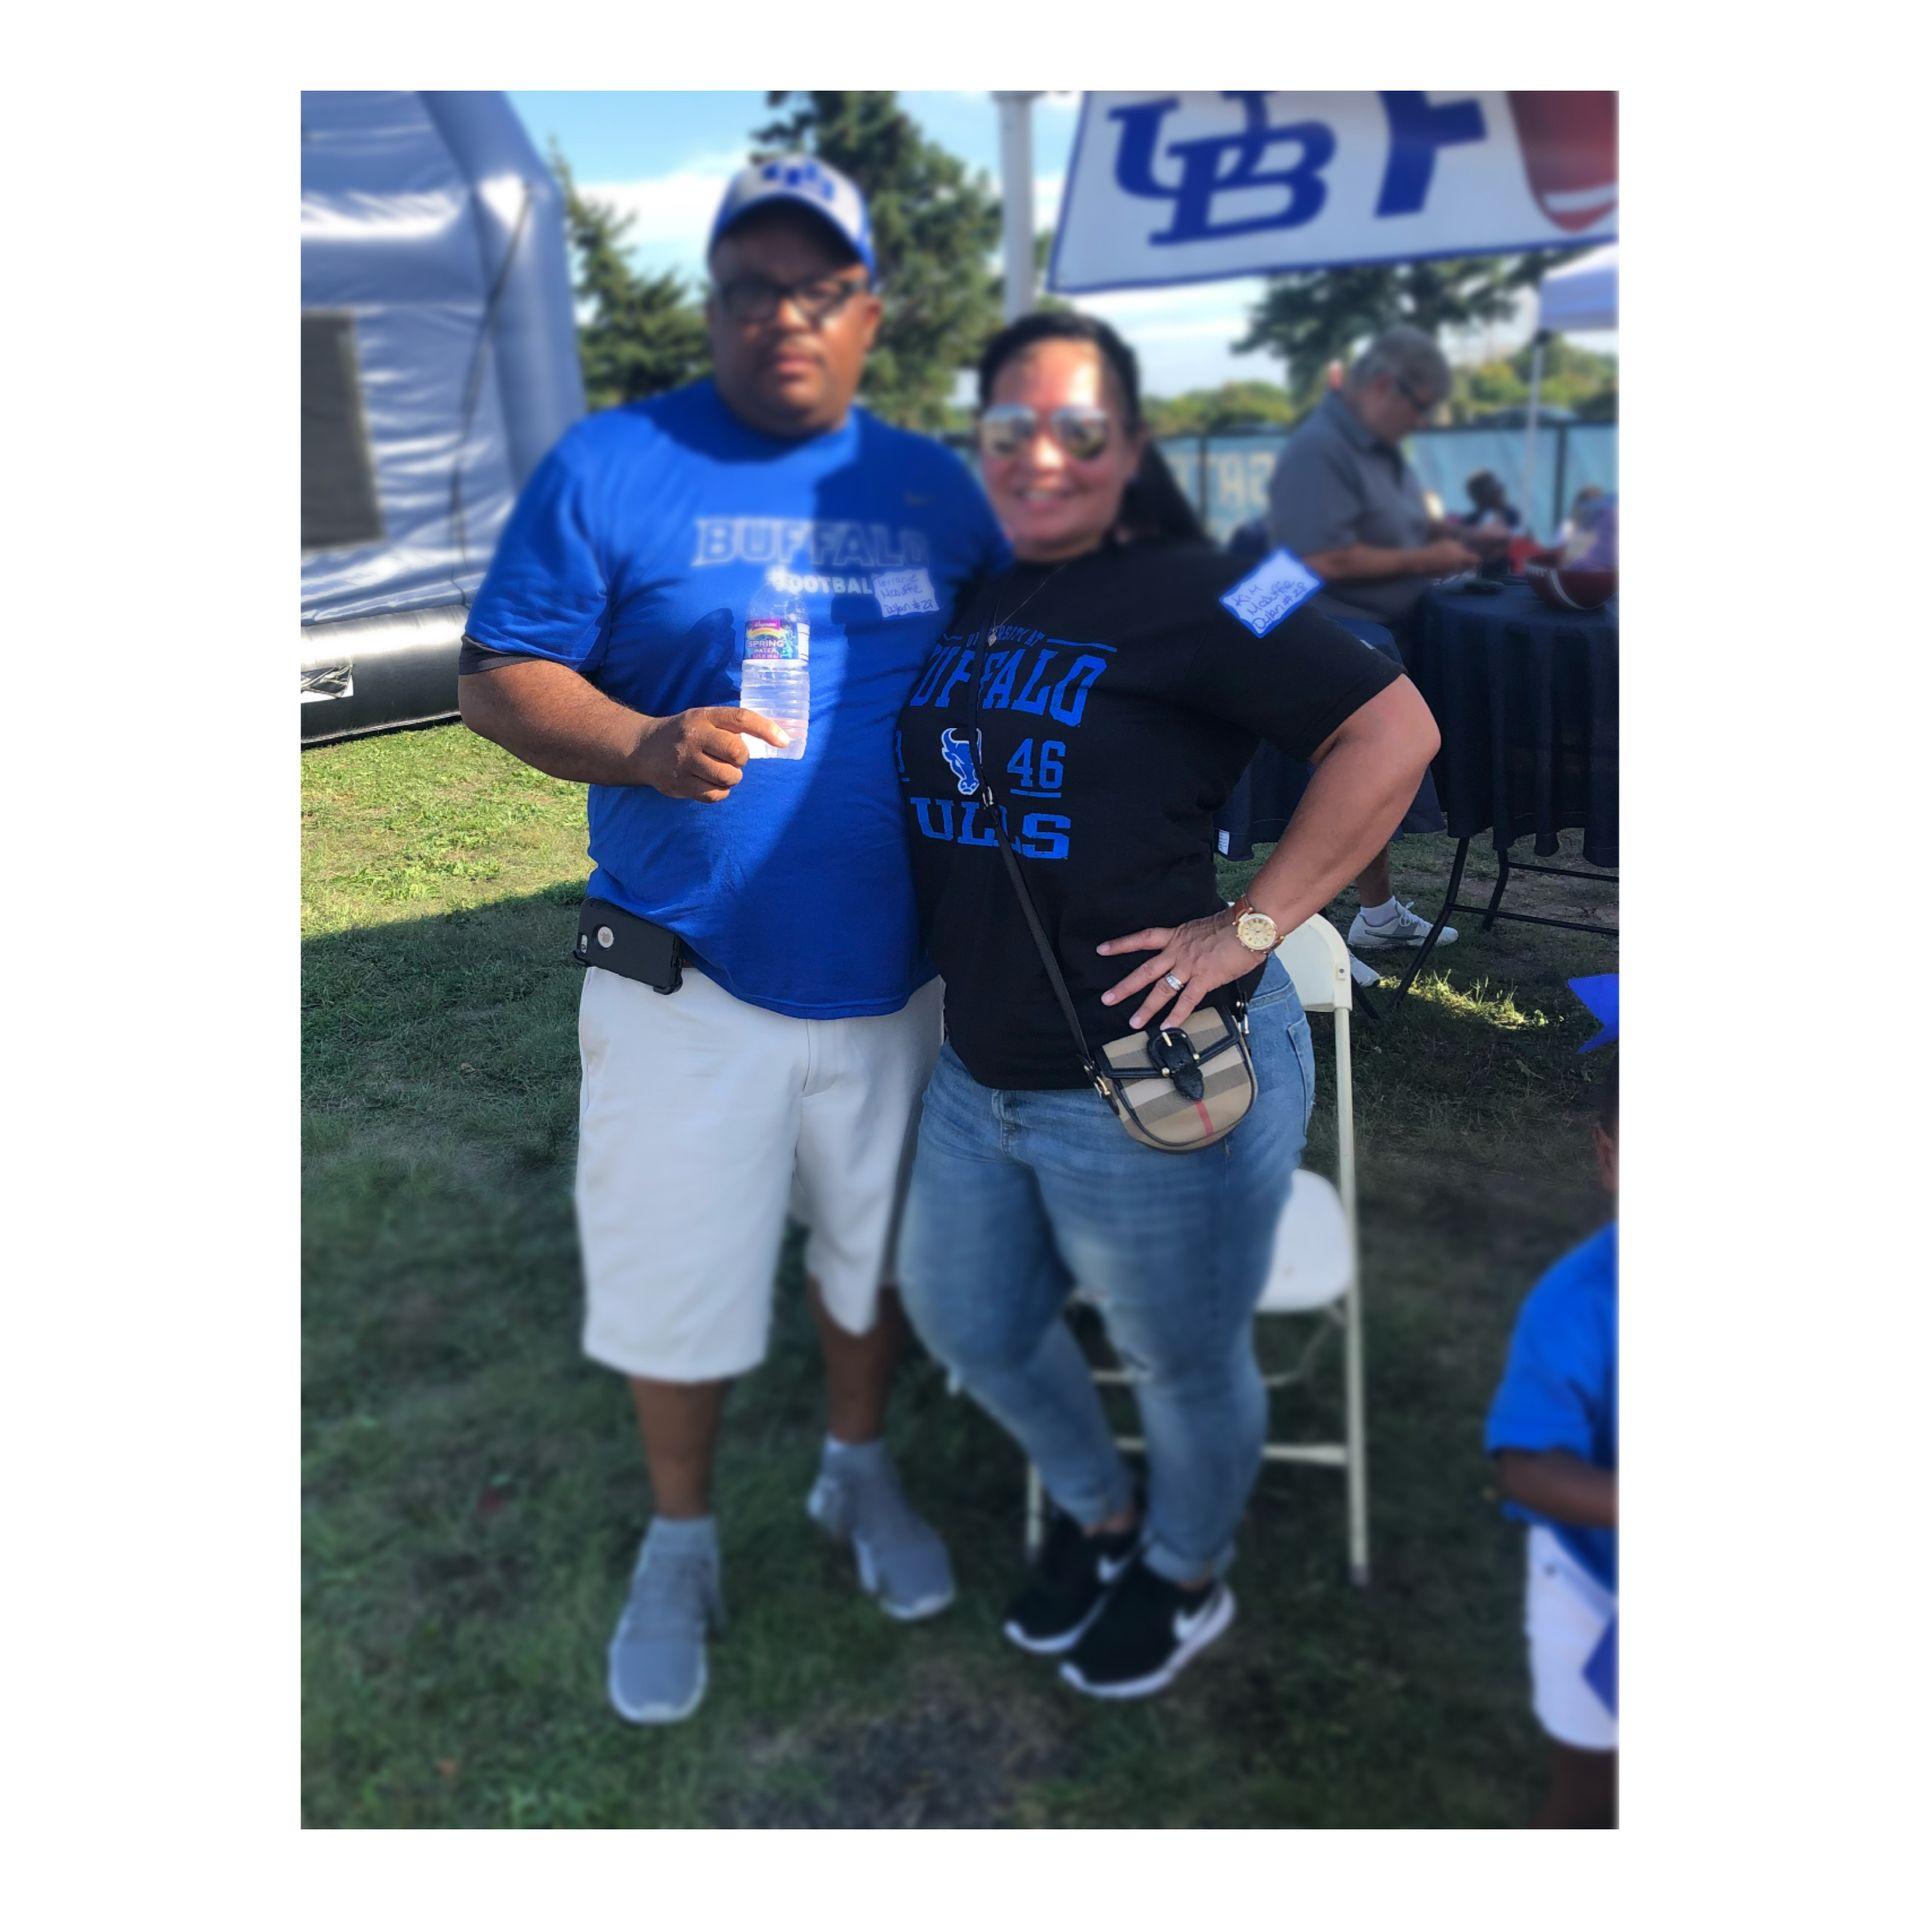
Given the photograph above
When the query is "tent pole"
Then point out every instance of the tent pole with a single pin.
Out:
(1016, 199)
(1533, 435)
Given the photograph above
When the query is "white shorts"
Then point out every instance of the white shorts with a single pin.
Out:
(1568, 1612)
(702, 1122)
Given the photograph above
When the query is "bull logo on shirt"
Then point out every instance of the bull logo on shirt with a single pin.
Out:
(957, 752)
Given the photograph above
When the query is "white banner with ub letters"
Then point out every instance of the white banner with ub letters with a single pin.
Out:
(1167, 187)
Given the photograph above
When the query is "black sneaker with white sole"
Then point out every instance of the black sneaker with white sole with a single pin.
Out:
(1148, 1630)
(1071, 1580)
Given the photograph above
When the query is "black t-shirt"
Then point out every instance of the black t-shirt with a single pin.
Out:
(1119, 706)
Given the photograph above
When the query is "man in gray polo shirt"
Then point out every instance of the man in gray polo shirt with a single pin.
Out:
(1345, 501)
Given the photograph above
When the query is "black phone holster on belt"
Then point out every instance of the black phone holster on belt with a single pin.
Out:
(625, 944)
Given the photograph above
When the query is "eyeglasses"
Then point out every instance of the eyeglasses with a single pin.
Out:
(752, 298)
(1421, 407)
(1081, 433)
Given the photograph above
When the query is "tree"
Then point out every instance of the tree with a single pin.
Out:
(1493, 388)
(1043, 301)
(1239, 403)
(642, 332)
(1571, 378)
(1312, 318)
(934, 226)
(1575, 377)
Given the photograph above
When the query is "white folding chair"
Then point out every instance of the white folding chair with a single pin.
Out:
(1316, 1261)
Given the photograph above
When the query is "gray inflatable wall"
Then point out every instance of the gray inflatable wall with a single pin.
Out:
(437, 364)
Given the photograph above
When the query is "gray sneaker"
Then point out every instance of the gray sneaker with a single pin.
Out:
(657, 1658)
(900, 1559)
(1405, 929)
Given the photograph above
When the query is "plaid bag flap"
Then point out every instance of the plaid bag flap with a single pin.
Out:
(1155, 1112)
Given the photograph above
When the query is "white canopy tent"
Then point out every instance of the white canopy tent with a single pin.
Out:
(1584, 295)
(1581, 297)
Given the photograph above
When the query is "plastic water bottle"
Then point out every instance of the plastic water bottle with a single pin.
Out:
(773, 673)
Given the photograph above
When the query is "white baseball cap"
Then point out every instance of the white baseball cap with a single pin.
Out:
(806, 182)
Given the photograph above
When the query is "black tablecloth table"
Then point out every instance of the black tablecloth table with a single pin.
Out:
(1527, 698)
(1262, 803)
(1528, 702)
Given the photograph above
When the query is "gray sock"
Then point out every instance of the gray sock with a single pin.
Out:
(684, 1536)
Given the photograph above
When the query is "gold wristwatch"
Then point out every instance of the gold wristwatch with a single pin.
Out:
(1255, 931)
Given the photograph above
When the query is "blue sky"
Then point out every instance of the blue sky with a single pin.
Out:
(665, 157)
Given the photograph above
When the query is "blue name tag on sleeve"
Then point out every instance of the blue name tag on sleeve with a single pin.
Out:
(1270, 592)
(1602, 1671)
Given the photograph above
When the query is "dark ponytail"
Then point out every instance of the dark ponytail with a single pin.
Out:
(1155, 506)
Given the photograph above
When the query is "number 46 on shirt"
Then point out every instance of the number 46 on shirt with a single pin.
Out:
(1048, 775)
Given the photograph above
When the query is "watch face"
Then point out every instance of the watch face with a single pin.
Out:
(1256, 931)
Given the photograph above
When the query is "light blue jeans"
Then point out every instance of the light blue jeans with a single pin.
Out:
(1020, 1199)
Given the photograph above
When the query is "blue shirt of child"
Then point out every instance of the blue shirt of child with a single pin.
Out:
(1560, 1392)
(631, 557)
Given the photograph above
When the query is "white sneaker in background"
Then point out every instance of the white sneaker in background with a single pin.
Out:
(1363, 975)
(1406, 929)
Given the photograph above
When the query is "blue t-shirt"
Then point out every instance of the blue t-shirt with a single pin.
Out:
(631, 557)
(1561, 1388)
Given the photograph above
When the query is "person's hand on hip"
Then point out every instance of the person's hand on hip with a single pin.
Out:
(1187, 963)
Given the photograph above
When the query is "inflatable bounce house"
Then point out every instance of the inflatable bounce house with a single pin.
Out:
(437, 364)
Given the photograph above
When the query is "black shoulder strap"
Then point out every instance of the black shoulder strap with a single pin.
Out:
(1003, 839)
(1055, 978)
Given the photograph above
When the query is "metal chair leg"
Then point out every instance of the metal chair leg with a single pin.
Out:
(1492, 910)
(1439, 926)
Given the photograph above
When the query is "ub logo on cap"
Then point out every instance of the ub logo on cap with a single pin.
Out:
(808, 176)
(804, 182)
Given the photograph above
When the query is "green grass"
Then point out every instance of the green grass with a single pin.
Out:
(473, 1489)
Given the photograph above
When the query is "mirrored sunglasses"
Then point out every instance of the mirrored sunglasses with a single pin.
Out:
(1081, 433)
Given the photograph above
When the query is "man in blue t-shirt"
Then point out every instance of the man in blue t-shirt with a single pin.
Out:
(1554, 1429)
(757, 1020)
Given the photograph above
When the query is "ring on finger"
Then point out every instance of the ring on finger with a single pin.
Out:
(1173, 983)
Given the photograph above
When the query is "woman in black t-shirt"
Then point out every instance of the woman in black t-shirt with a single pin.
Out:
(1110, 687)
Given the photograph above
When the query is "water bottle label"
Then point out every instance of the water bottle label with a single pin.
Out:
(777, 640)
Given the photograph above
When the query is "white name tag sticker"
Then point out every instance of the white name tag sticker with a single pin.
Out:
(905, 590)
(1271, 592)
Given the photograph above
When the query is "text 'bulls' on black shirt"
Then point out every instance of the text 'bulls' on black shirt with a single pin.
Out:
(1118, 706)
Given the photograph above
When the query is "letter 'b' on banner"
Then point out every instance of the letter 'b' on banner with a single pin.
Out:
(1169, 187)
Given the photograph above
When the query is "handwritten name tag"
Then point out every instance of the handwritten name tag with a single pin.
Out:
(1270, 592)
(905, 590)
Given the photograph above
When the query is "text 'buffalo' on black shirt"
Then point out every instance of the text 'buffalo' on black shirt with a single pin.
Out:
(1118, 706)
